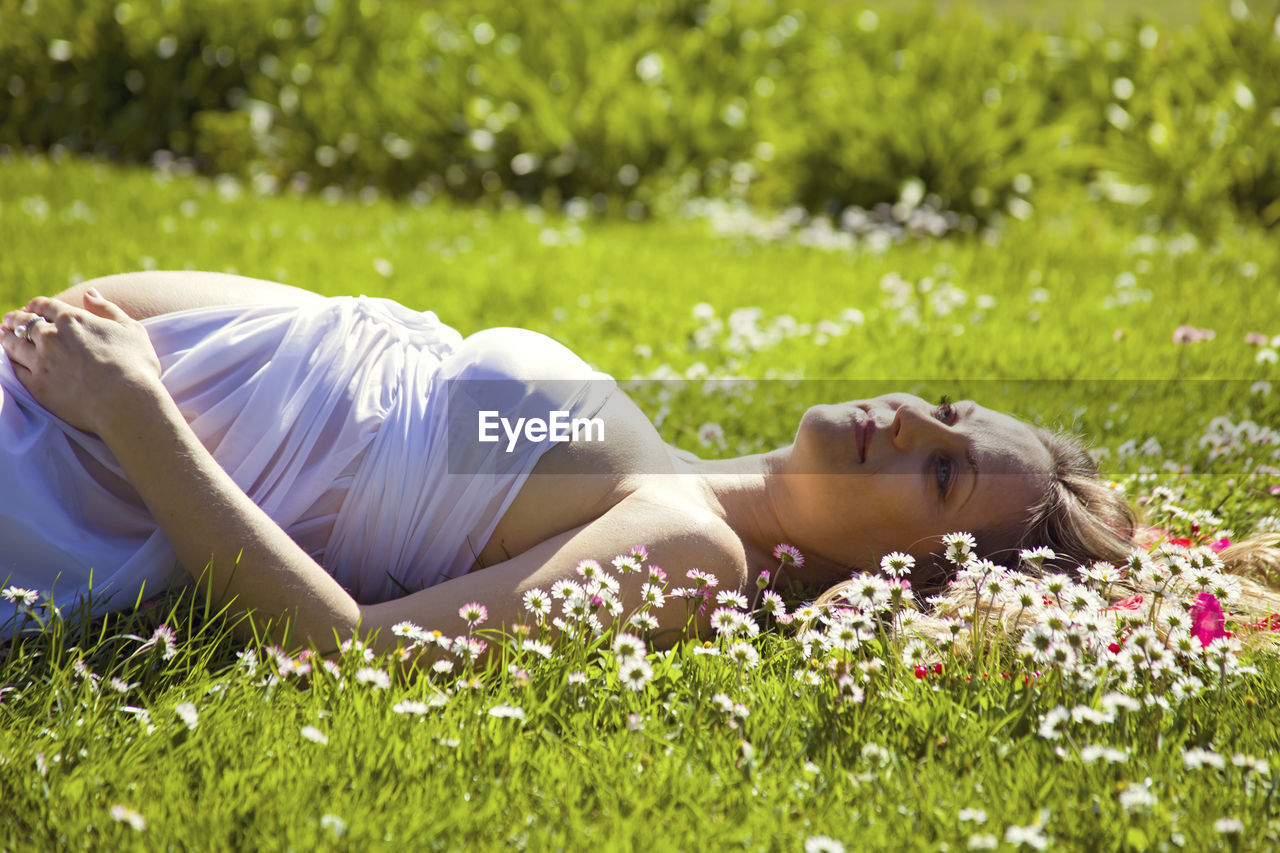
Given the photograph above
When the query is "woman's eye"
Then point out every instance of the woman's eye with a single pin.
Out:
(946, 469)
(944, 412)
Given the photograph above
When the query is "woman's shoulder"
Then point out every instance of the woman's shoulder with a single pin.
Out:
(687, 533)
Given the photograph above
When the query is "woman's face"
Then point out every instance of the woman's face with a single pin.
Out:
(896, 473)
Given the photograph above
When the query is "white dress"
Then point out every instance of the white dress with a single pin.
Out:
(352, 422)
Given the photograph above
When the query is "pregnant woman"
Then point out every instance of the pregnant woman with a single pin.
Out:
(350, 463)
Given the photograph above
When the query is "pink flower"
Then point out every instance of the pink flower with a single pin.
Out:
(1207, 621)
(1220, 544)
(788, 555)
(1256, 338)
(1133, 602)
(1190, 335)
(474, 613)
(704, 580)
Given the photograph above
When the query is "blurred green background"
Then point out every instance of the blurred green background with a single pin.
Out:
(637, 107)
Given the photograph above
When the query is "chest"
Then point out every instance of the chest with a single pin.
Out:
(577, 481)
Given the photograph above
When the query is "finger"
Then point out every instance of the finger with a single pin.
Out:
(19, 351)
(26, 326)
(48, 307)
(103, 307)
(16, 318)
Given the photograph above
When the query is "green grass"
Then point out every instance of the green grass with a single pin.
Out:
(572, 774)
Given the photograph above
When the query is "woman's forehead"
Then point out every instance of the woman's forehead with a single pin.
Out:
(1002, 444)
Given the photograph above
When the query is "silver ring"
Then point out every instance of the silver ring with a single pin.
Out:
(24, 331)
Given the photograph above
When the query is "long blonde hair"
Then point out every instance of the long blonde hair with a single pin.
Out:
(1085, 520)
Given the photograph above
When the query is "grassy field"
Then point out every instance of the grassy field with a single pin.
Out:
(209, 749)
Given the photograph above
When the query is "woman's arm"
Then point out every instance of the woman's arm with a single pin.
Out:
(675, 537)
(95, 368)
(146, 294)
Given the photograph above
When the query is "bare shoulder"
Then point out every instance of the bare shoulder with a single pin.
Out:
(686, 536)
(147, 294)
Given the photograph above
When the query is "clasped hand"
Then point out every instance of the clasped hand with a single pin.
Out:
(86, 365)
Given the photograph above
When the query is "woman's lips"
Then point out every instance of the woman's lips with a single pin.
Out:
(865, 427)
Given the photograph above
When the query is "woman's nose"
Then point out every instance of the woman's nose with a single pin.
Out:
(909, 423)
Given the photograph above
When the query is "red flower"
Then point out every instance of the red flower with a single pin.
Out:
(1113, 648)
(920, 671)
(1180, 541)
(1207, 622)
(1271, 623)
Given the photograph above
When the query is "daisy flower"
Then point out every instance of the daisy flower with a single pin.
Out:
(509, 712)
(1228, 826)
(473, 613)
(124, 814)
(119, 685)
(314, 735)
(807, 613)
(163, 639)
(732, 598)
(644, 621)
(639, 552)
(541, 649)
(409, 706)
(19, 595)
(652, 595)
(788, 555)
(538, 603)
(187, 712)
(959, 547)
(744, 654)
(726, 621)
(627, 564)
(635, 673)
(378, 678)
(897, 564)
(657, 575)
(822, 844)
(914, 652)
(773, 604)
(1036, 556)
(1196, 758)
(628, 646)
(702, 579)
(588, 569)
(1137, 798)
(564, 589)
(1032, 836)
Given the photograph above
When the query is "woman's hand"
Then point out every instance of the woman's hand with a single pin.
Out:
(89, 366)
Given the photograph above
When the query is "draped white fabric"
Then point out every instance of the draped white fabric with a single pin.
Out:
(333, 417)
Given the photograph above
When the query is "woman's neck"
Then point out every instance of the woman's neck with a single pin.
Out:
(746, 491)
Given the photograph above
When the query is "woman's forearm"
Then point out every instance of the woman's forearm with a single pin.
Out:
(221, 537)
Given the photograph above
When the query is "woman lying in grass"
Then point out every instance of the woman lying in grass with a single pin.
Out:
(352, 465)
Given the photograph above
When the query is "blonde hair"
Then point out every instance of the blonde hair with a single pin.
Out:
(1084, 520)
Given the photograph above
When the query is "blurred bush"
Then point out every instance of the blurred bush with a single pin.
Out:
(633, 105)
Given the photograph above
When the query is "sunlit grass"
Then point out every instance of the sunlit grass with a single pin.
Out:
(325, 760)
